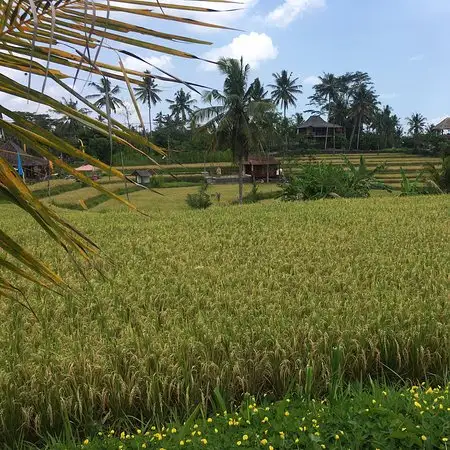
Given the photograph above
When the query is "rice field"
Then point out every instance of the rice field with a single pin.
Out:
(243, 299)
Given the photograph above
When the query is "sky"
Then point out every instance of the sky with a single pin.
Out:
(402, 44)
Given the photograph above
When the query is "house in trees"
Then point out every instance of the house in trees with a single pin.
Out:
(443, 128)
(262, 167)
(34, 168)
(319, 130)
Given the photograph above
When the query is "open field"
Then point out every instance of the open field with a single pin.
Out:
(239, 298)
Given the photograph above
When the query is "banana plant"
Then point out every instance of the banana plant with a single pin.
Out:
(63, 42)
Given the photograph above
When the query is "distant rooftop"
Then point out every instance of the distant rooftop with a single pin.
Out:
(444, 125)
(317, 122)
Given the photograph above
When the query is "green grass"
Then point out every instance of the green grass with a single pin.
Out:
(243, 299)
(379, 417)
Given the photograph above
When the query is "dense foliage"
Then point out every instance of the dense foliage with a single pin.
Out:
(322, 180)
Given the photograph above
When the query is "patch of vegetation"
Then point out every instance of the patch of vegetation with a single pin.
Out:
(379, 417)
(201, 199)
(325, 180)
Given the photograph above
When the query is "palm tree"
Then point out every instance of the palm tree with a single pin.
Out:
(326, 92)
(258, 91)
(182, 106)
(68, 126)
(416, 124)
(416, 127)
(232, 113)
(285, 90)
(363, 108)
(106, 97)
(148, 93)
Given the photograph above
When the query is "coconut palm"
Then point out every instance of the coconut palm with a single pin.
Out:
(232, 113)
(258, 92)
(416, 124)
(67, 125)
(363, 108)
(147, 93)
(105, 96)
(416, 127)
(182, 106)
(285, 90)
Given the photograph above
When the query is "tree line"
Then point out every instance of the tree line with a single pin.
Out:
(349, 100)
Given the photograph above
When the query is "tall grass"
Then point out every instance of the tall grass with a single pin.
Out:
(255, 299)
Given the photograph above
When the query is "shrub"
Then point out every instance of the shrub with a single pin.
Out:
(200, 200)
(156, 181)
(323, 180)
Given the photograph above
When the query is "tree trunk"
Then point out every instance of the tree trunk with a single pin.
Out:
(241, 179)
(149, 115)
(359, 133)
(326, 139)
(328, 119)
(352, 135)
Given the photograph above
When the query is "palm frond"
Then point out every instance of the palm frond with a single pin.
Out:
(58, 41)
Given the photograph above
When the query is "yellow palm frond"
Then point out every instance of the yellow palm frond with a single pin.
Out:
(57, 40)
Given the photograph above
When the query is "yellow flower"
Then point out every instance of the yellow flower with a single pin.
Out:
(444, 439)
(266, 419)
(173, 430)
(204, 441)
(112, 432)
(199, 433)
(429, 391)
(417, 405)
(182, 443)
(297, 440)
(323, 445)
(245, 437)
(122, 435)
(336, 436)
(271, 448)
(86, 442)
(423, 437)
(195, 426)
(238, 443)
(385, 393)
(286, 413)
(144, 445)
(209, 420)
(127, 436)
(216, 430)
(138, 431)
(100, 433)
(264, 441)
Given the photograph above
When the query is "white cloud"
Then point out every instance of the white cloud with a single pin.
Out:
(418, 57)
(162, 62)
(288, 11)
(311, 80)
(253, 47)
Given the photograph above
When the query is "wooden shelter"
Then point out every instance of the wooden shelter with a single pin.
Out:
(262, 167)
(142, 176)
(34, 168)
(443, 128)
(316, 128)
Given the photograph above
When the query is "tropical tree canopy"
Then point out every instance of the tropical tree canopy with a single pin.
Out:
(54, 42)
(106, 95)
(147, 93)
(233, 112)
(285, 90)
(182, 106)
(416, 124)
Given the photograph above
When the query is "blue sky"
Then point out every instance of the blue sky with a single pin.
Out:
(402, 44)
